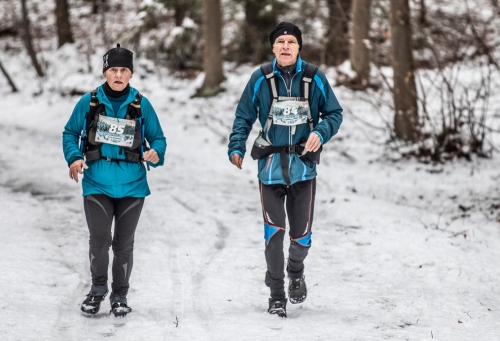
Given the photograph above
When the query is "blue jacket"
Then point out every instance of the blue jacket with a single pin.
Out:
(114, 179)
(255, 104)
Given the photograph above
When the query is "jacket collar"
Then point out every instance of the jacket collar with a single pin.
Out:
(298, 66)
(101, 96)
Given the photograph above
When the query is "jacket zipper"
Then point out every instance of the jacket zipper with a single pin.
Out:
(289, 92)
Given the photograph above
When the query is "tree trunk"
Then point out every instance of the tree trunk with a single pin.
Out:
(102, 11)
(360, 48)
(11, 83)
(422, 19)
(28, 39)
(259, 22)
(406, 122)
(95, 6)
(63, 25)
(212, 57)
(337, 45)
(180, 9)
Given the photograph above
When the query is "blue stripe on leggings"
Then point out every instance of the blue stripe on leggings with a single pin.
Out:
(269, 231)
(305, 241)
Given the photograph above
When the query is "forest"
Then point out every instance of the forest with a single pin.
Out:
(407, 209)
(407, 56)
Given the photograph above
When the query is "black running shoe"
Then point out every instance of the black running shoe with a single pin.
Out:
(120, 309)
(297, 290)
(92, 303)
(277, 307)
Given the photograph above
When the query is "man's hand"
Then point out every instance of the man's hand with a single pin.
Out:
(313, 143)
(151, 156)
(76, 168)
(237, 160)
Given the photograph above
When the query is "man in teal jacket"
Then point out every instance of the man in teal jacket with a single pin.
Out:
(114, 180)
(295, 123)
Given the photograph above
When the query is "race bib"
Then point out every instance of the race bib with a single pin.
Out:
(290, 113)
(117, 131)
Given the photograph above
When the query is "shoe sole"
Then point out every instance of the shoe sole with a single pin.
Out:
(89, 312)
(279, 312)
(296, 301)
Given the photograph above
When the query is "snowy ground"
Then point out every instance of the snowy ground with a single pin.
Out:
(393, 256)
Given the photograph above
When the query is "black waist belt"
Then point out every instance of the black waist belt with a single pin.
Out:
(110, 159)
(259, 152)
(93, 155)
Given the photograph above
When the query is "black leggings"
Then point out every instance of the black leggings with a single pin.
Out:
(100, 211)
(300, 210)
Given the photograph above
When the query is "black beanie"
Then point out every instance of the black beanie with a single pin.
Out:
(285, 27)
(118, 57)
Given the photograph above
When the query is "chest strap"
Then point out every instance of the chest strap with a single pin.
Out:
(305, 87)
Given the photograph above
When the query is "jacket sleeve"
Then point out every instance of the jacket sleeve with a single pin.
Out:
(73, 130)
(329, 109)
(245, 117)
(153, 131)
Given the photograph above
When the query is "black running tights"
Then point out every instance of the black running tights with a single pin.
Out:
(100, 210)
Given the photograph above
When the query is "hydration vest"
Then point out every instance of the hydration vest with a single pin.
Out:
(272, 82)
(262, 146)
(91, 149)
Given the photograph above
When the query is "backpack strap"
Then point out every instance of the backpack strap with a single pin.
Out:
(134, 108)
(272, 82)
(135, 112)
(88, 121)
(305, 88)
(94, 103)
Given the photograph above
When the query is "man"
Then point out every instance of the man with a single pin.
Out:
(298, 113)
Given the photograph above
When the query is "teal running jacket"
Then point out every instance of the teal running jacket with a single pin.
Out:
(114, 179)
(254, 104)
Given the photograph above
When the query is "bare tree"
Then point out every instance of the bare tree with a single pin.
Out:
(6, 74)
(181, 8)
(261, 17)
(212, 57)
(360, 45)
(422, 17)
(406, 121)
(28, 40)
(102, 7)
(63, 25)
(337, 46)
(95, 6)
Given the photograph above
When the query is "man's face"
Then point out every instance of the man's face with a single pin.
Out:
(118, 77)
(286, 49)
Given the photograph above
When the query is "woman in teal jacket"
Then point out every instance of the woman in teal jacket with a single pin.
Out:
(114, 177)
(298, 113)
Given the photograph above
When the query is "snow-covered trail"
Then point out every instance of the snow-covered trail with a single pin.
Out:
(391, 258)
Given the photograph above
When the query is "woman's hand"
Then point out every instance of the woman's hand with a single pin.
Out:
(76, 168)
(151, 156)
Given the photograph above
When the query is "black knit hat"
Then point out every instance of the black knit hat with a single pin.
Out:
(286, 27)
(118, 57)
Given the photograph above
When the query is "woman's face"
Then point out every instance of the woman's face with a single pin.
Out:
(286, 49)
(118, 77)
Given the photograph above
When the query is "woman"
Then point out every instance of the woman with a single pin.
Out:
(105, 140)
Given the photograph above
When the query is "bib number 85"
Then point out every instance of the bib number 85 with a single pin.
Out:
(114, 128)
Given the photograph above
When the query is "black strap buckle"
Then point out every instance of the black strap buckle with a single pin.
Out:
(291, 149)
(110, 159)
